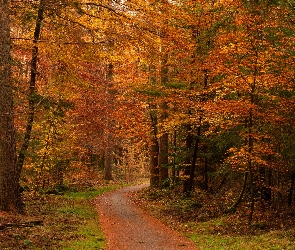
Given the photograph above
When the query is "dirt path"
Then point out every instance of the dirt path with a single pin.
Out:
(126, 226)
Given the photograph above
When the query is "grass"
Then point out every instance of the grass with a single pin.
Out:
(89, 194)
(88, 234)
(274, 240)
(215, 234)
(70, 222)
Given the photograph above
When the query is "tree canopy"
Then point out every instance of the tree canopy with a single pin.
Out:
(190, 93)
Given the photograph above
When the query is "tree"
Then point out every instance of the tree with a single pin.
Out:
(10, 199)
(252, 50)
(32, 89)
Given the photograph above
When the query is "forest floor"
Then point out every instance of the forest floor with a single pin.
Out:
(69, 221)
(201, 218)
(56, 221)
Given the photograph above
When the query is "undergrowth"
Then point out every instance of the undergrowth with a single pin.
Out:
(66, 221)
(206, 223)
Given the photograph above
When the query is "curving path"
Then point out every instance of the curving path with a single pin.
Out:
(126, 226)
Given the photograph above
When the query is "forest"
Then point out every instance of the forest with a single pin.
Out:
(198, 96)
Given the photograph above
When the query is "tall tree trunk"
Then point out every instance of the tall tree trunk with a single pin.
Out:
(163, 146)
(10, 198)
(154, 155)
(252, 193)
(108, 170)
(279, 195)
(194, 161)
(174, 159)
(188, 145)
(163, 107)
(250, 151)
(109, 148)
(153, 148)
(32, 89)
(241, 195)
(189, 187)
(291, 190)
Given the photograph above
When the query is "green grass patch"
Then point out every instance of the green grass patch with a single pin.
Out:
(89, 194)
(69, 222)
(211, 235)
(87, 234)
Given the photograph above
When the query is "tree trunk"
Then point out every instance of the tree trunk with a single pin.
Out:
(153, 148)
(174, 159)
(279, 195)
(268, 194)
(109, 148)
(10, 198)
(154, 155)
(163, 159)
(163, 146)
(250, 163)
(194, 161)
(240, 197)
(189, 187)
(252, 193)
(163, 107)
(188, 145)
(291, 190)
(32, 90)
(108, 170)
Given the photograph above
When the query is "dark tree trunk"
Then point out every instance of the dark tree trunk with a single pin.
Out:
(252, 193)
(174, 159)
(32, 90)
(109, 148)
(268, 194)
(154, 148)
(154, 155)
(188, 187)
(291, 190)
(250, 163)
(265, 184)
(163, 146)
(241, 195)
(10, 198)
(163, 107)
(108, 170)
(194, 161)
(188, 143)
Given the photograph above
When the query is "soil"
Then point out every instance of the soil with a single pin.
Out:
(126, 226)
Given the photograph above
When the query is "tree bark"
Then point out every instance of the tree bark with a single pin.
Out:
(32, 90)
(250, 151)
(163, 107)
(109, 148)
(189, 185)
(291, 190)
(174, 159)
(153, 149)
(188, 144)
(10, 198)
(238, 201)
(194, 161)
(163, 146)
(154, 155)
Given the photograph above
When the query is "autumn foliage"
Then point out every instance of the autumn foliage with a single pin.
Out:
(194, 94)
